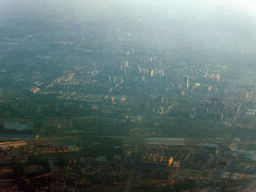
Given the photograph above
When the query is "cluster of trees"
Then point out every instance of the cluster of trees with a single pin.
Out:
(96, 126)
(101, 146)
(190, 128)
(179, 185)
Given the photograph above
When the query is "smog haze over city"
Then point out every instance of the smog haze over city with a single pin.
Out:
(125, 95)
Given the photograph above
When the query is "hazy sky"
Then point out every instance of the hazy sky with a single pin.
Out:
(239, 5)
(245, 6)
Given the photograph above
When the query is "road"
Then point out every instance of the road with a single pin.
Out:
(249, 186)
(130, 182)
(134, 173)
(169, 109)
(227, 169)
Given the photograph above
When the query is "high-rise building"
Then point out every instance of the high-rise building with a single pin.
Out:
(152, 73)
(139, 70)
(191, 88)
(247, 95)
(170, 161)
(218, 78)
(186, 85)
(251, 92)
